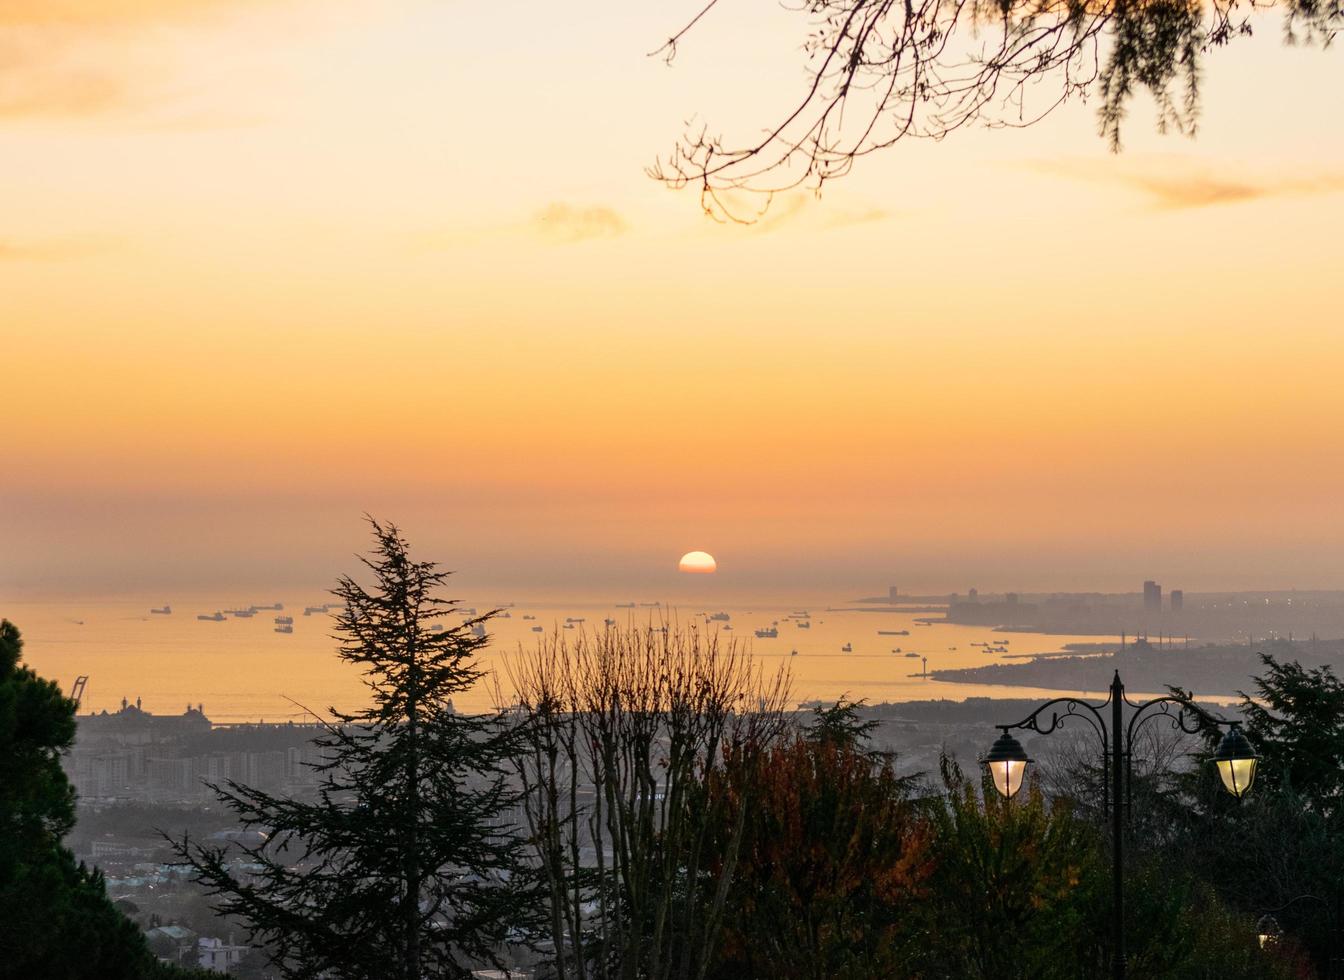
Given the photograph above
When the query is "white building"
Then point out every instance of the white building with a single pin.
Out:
(217, 955)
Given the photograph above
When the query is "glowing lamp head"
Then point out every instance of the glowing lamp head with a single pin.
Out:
(1236, 762)
(1267, 929)
(697, 563)
(1007, 764)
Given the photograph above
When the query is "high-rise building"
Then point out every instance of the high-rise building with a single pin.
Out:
(171, 779)
(1177, 600)
(1152, 596)
(892, 596)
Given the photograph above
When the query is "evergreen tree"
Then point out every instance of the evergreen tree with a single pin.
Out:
(402, 868)
(840, 725)
(55, 918)
(1295, 720)
(1289, 853)
(1014, 887)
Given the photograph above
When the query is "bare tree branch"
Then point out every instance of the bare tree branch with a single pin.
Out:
(885, 70)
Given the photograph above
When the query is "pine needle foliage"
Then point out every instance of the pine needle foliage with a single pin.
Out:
(55, 917)
(404, 867)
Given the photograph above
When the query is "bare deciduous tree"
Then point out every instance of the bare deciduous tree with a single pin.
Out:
(622, 729)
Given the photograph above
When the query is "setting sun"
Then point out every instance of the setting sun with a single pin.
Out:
(697, 562)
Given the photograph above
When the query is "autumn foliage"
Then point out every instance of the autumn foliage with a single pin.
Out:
(833, 863)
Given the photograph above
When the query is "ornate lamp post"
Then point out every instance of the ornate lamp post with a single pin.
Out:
(1007, 764)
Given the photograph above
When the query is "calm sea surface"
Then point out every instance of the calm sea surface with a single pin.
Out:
(243, 670)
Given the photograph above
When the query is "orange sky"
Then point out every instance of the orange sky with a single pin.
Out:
(267, 265)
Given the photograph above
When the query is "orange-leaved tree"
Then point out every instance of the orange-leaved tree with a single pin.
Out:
(833, 861)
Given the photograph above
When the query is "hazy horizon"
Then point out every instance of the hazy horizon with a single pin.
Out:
(644, 582)
(224, 552)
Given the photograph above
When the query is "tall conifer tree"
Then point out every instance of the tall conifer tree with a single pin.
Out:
(55, 918)
(404, 867)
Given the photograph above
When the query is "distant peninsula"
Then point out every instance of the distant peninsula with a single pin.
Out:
(1210, 670)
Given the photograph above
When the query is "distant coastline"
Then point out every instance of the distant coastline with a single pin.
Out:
(1214, 670)
(1209, 616)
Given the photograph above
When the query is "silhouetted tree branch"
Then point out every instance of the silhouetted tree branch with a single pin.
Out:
(880, 71)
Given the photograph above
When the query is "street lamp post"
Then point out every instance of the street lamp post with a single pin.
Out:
(1007, 764)
(1268, 931)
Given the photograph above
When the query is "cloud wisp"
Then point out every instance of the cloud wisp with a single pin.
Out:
(81, 58)
(48, 251)
(560, 222)
(38, 87)
(98, 13)
(1178, 186)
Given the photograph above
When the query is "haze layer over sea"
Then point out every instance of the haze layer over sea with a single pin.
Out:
(242, 669)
